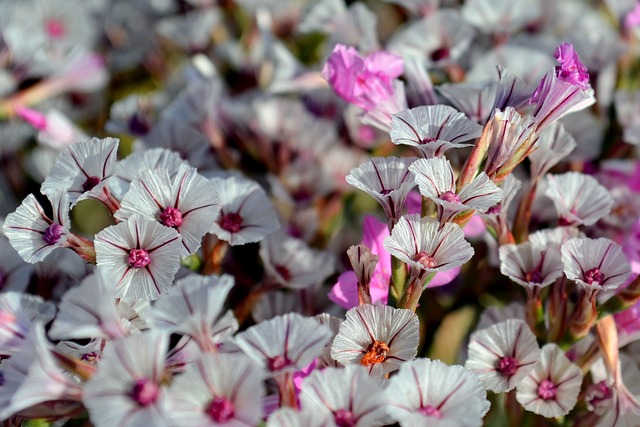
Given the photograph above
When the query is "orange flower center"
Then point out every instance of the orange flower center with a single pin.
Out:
(376, 353)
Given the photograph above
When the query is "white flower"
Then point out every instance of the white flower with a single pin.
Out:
(530, 265)
(32, 233)
(595, 264)
(349, 395)
(185, 202)
(421, 243)
(433, 129)
(578, 198)
(141, 256)
(377, 337)
(246, 214)
(194, 306)
(551, 389)
(429, 393)
(284, 343)
(83, 169)
(127, 390)
(18, 312)
(217, 389)
(503, 354)
(292, 264)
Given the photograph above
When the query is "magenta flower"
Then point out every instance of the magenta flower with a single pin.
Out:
(364, 82)
(571, 70)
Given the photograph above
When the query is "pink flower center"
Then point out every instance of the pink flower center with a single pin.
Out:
(593, 276)
(450, 196)
(430, 411)
(534, 276)
(283, 272)
(345, 418)
(52, 234)
(231, 222)
(221, 410)
(507, 366)
(598, 393)
(440, 54)
(138, 258)
(495, 209)
(425, 259)
(277, 363)
(55, 29)
(171, 217)
(547, 390)
(90, 183)
(144, 392)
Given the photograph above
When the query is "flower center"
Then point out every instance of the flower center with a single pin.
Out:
(425, 259)
(430, 411)
(345, 418)
(52, 234)
(221, 410)
(534, 276)
(231, 222)
(440, 54)
(138, 125)
(547, 390)
(277, 363)
(495, 209)
(90, 183)
(91, 357)
(171, 217)
(598, 393)
(507, 366)
(377, 352)
(138, 258)
(283, 272)
(450, 196)
(55, 29)
(593, 276)
(144, 392)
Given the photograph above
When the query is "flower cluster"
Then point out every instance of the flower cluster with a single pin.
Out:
(319, 213)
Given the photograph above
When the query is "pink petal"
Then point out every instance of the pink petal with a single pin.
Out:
(444, 277)
(345, 291)
(385, 63)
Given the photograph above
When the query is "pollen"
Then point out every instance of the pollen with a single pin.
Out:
(377, 352)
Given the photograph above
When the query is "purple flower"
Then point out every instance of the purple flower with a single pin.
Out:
(571, 70)
(364, 82)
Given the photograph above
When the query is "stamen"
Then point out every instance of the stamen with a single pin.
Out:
(171, 217)
(220, 410)
(52, 234)
(138, 258)
(377, 352)
(231, 222)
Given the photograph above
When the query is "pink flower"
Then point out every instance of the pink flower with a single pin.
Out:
(364, 82)
(345, 291)
(632, 19)
(571, 70)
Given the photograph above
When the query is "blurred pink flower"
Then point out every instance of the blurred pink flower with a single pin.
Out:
(364, 82)
(345, 291)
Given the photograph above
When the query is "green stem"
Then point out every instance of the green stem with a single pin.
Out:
(398, 280)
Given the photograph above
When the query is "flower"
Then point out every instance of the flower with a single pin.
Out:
(503, 354)
(564, 90)
(141, 256)
(551, 389)
(289, 262)
(32, 233)
(378, 337)
(436, 181)
(128, 388)
(185, 202)
(285, 343)
(364, 82)
(425, 246)
(386, 179)
(349, 396)
(82, 170)
(595, 264)
(530, 265)
(90, 310)
(194, 306)
(246, 214)
(18, 313)
(34, 384)
(217, 389)
(578, 198)
(433, 129)
(554, 144)
(429, 393)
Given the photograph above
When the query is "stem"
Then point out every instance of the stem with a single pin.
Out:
(413, 292)
(557, 310)
(287, 390)
(523, 216)
(474, 161)
(83, 247)
(82, 369)
(213, 264)
(535, 312)
(398, 279)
